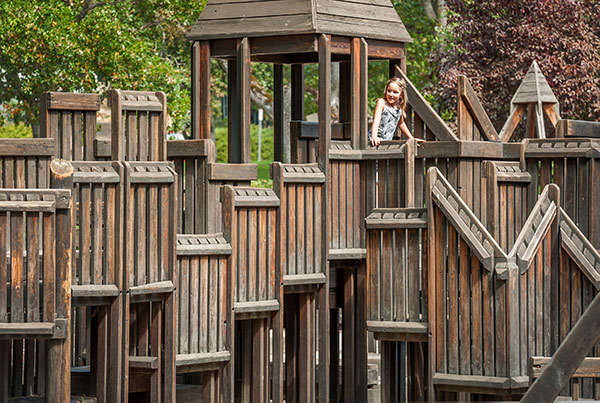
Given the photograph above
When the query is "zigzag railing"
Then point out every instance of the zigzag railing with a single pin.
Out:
(478, 318)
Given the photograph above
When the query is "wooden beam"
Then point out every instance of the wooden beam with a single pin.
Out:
(364, 94)
(577, 128)
(511, 123)
(355, 91)
(467, 95)
(568, 358)
(201, 84)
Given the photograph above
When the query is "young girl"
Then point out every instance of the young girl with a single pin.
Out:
(389, 113)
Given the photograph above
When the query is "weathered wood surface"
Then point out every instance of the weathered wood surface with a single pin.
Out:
(24, 163)
(482, 279)
(97, 275)
(70, 119)
(250, 223)
(150, 222)
(35, 298)
(473, 121)
(138, 125)
(577, 128)
(396, 274)
(574, 165)
(204, 334)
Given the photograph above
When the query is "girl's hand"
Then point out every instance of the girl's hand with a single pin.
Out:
(375, 140)
(419, 140)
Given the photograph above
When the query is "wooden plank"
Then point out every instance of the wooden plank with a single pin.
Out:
(568, 357)
(243, 92)
(467, 95)
(577, 128)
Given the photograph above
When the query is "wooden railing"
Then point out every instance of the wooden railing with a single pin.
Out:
(504, 294)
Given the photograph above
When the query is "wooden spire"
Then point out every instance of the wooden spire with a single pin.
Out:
(534, 97)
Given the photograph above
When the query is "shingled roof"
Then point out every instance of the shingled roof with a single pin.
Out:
(371, 19)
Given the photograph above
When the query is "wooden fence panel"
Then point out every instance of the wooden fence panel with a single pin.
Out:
(70, 119)
(24, 163)
(97, 277)
(35, 243)
(204, 315)
(299, 188)
(250, 224)
(347, 206)
(396, 281)
(138, 125)
(574, 165)
(506, 186)
(150, 276)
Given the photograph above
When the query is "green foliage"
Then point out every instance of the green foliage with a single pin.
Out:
(15, 131)
(77, 46)
(427, 36)
(496, 42)
(266, 147)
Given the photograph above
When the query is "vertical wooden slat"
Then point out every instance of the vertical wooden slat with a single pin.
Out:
(213, 305)
(324, 102)
(76, 136)
(185, 306)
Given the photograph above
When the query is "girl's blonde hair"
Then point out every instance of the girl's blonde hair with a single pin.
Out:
(402, 85)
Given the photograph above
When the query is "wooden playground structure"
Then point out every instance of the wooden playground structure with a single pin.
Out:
(139, 268)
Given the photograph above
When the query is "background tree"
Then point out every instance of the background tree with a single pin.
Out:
(495, 42)
(91, 46)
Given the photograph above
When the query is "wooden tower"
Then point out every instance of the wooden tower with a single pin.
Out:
(299, 32)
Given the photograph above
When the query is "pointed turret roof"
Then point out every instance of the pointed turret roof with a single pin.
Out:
(534, 88)
(374, 19)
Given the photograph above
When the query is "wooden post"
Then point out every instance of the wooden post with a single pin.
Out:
(230, 222)
(355, 92)
(243, 85)
(364, 94)
(324, 141)
(58, 371)
(297, 109)
(201, 111)
(278, 113)
(233, 113)
(431, 267)
(116, 126)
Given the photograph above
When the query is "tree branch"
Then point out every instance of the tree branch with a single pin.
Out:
(87, 7)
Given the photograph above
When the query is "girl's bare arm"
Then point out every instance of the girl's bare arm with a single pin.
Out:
(407, 133)
(376, 120)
